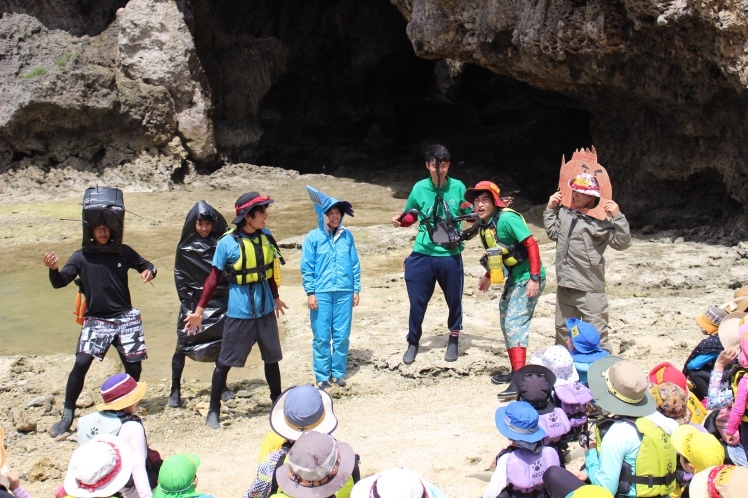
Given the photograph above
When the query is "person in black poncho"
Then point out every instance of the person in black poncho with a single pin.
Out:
(202, 229)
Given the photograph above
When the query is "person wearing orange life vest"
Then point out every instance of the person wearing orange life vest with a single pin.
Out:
(247, 255)
(500, 226)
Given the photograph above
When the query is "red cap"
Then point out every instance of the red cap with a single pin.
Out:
(666, 372)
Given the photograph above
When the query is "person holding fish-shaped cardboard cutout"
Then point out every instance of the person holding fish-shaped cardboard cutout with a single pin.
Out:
(584, 221)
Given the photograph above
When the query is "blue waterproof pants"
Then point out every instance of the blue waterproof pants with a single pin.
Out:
(331, 323)
(422, 272)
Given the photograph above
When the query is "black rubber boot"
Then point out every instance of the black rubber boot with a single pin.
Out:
(175, 399)
(452, 349)
(227, 394)
(502, 379)
(64, 424)
(410, 355)
(212, 420)
(509, 394)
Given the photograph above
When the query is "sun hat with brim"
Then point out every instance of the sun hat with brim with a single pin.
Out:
(518, 421)
(723, 481)
(535, 385)
(485, 186)
(392, 483)
(667, 372)
(701, 449)
(709, 320)
(300, 409)
(739, 300)
(99, 468)
(620, 387)
(728, 329)
(558, 360)
(591, 491)
(120, 391)
(176, 477)
(316, 467)
(585, 183)
(246, 202)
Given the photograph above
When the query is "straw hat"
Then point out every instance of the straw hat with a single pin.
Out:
(728, 329)
(739, 300)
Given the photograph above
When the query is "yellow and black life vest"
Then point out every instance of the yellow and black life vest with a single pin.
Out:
(511, 254)
(655, 462)
(736, 374)
(256, 261)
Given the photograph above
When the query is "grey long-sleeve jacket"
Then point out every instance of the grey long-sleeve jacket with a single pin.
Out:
(580, 244)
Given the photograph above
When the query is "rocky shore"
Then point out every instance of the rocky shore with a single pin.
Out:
(432, 416)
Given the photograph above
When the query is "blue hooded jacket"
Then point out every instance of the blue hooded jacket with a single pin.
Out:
(329, 262)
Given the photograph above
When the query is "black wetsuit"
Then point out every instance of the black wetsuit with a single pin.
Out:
(104, 279)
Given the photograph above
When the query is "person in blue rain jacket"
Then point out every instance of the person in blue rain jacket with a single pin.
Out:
(331, 275)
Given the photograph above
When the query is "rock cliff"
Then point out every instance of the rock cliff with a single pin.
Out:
(664, 82)
(658, 87)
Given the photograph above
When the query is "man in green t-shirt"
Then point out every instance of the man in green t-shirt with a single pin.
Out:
(437, 197)
(503, 228)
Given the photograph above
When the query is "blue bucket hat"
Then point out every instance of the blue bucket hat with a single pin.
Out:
(518, 421)
(586, 341)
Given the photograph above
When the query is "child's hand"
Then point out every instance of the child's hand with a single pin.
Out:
(726, 357)
(13, 480)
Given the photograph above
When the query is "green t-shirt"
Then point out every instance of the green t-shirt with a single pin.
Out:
(422, 198)
(512, 229)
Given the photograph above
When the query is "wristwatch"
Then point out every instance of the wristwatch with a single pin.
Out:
(154, 270)
(535, 278)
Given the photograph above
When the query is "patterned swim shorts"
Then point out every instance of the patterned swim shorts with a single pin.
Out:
(124, 331)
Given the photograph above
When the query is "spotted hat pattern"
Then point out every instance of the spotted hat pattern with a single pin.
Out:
(558, 360)
(672, 400)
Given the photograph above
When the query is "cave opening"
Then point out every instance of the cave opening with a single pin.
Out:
(336, 87)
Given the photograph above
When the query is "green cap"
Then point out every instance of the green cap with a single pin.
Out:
(177, 477)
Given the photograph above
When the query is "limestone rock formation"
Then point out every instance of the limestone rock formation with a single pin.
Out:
(659, 87)
(665, 83)
(102, 101)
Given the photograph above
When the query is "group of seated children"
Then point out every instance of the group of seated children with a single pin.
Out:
(653, 434)
(667, 433)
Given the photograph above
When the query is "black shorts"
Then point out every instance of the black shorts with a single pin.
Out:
(239, 335)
